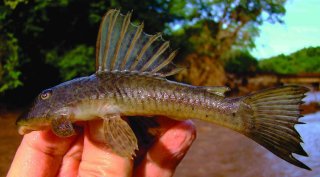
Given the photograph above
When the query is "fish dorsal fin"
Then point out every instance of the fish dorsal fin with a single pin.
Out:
(124, 47)
(218, 90)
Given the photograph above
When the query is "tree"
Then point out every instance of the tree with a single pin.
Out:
(9, 75)
(40, 36)
(47, 36)
(9, 51)
(306, 60)
(241, 62)
(215, 28)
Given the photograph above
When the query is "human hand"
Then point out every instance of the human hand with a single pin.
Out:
(41, 153)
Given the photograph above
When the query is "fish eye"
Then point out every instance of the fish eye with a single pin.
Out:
(45, 94)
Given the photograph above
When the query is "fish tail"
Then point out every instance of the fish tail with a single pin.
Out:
(271, 116)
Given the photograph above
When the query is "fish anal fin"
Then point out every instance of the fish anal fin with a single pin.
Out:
(124, 47)
(119, 136)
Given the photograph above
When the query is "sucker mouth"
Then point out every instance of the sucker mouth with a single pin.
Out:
(22, 130)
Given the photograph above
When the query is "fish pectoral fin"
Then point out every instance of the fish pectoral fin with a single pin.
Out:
(62, 127)
(119, 136)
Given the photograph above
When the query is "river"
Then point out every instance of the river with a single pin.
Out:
(220, 152)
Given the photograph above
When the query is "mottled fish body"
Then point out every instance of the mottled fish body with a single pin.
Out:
(131, 67)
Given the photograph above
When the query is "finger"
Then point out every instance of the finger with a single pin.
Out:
(39, 154)
(98, 159)
(165, 155)
(71, 160)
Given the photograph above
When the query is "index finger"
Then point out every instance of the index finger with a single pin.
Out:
(39, 154)
(98, 159)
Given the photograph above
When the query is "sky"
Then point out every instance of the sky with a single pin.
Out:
(301, 29)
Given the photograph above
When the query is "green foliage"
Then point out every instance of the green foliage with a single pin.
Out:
(39, 34)
(75, 62)
(306, 60)
(13, 3)
(214, 28)
(45, 28)
(9, 75)
(241, 62)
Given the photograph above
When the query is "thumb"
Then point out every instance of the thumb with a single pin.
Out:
(98, 159)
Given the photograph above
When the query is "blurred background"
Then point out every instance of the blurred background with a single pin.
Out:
(244, 44)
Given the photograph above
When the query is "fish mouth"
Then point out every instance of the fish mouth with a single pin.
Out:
(31, 124)
(27, 123)
(22, 130)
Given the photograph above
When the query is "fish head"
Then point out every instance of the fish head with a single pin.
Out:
(40, 114)
(50, 104)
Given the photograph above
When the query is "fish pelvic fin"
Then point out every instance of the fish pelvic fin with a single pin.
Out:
(272, 115)
(124, 47)
(119, 136)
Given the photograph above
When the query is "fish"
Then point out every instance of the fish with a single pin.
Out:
(131, 80)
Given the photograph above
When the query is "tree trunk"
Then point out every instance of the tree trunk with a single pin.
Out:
(202, 70)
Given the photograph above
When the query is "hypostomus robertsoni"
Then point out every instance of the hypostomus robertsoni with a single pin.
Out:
(130, 80)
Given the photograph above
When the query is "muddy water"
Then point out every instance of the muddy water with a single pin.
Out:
(221, 152)
(9, 140)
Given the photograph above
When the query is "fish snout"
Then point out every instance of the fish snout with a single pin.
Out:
(27, 123)
(22, 125)
(22, 117)
(22, 130)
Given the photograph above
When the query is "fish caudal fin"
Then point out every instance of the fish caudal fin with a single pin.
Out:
(272, 115)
